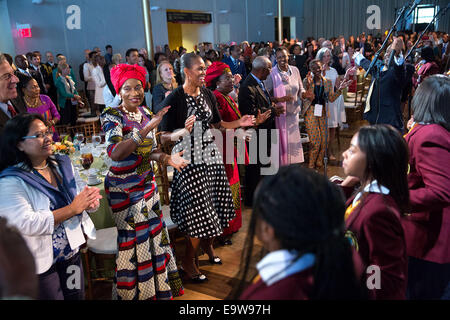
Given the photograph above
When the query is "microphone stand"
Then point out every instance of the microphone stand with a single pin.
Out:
(413, 48)
(443, 11)
(375, 63)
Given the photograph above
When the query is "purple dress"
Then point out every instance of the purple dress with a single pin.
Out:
(48, 111)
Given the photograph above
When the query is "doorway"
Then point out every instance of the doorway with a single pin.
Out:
(189, 28)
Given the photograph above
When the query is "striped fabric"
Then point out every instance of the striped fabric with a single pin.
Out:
(145, 264)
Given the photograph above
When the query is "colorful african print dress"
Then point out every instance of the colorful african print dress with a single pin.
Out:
(229, 112)
(145, 264)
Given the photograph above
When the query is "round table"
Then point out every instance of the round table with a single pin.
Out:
(102, 218)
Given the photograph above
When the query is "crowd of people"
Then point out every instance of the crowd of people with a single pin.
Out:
(394, 216)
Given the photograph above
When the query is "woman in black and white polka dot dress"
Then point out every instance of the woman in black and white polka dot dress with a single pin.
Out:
(201, 202)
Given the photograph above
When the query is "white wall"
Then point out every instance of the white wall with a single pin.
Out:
(6, 39)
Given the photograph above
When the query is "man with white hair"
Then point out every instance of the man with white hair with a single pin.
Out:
(254, 99)
(10, 105)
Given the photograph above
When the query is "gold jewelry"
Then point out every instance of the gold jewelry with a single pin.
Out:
(32, 105)
(133, 116)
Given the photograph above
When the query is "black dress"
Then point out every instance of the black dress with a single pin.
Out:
(201, 202)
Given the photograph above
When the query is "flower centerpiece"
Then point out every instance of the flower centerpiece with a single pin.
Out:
(64, 147)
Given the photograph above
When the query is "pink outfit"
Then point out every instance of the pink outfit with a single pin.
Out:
(280, 85)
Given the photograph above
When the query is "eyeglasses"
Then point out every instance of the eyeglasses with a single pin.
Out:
(39, 135)
(7, 76)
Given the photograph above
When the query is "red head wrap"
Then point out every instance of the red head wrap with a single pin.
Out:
(123, 72)
(216, 69)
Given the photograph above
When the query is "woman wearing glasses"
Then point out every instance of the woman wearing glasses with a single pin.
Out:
(45, 199)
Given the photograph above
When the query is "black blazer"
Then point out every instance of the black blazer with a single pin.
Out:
(252, 98)
(391, 84)
(178, 112)
(20, 107)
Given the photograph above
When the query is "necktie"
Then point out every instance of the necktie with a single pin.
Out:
(265, 91)
(11, 110)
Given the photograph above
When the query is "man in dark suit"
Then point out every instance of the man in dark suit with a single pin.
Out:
(385, 108)
(39, 74)
(10, 105)
(254, 99)
(236, 65)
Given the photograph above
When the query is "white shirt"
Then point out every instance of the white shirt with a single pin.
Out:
(110, 101)
(4, 108)
(28, 209)
(277, 265)
(372, 187)
(100, 83)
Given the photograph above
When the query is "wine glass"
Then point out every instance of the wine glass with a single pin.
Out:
(96, 140)
(86, 160)
(78, 140)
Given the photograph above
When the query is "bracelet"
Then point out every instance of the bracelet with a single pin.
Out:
(137, 138)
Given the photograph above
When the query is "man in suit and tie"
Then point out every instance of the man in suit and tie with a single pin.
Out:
(39, 73)
(10, 105)
(254, 99)
(236, 65)
(385, 107)
(21, 63)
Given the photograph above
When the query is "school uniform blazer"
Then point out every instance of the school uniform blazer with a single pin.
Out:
(298, 286)
(375, 230)
(427, 227)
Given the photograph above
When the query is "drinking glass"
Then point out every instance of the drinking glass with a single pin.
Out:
(96, 140)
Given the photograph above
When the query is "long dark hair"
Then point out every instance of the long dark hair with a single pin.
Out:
(13, 132)
(307, 214)
(187, 61)
(387, 160)
(430, 102)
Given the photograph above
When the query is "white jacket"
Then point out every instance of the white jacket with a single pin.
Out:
(28, 209)
(100, 83)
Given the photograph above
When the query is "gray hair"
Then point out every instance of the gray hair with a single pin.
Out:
(326, 43)
(260, 63)
(2, 58)
(321, 53)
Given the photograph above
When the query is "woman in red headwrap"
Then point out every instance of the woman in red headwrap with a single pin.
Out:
(146, 266)
(219, 79)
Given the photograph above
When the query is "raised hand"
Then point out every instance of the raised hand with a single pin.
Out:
(279, 110)
(247, 121)
(345, 83)
(177, 161)
(85, 199)
(189, 123)
(350, 72)
(156, 120)
(261, 118)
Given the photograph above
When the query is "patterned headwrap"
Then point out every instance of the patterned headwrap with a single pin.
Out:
(123, 72)
(216, 69)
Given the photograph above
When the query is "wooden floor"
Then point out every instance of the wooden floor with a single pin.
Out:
(223, 277)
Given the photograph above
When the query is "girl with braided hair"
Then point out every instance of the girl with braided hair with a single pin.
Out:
(299, 218)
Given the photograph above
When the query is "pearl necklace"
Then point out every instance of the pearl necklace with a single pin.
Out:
(41, 168)
(133, 116)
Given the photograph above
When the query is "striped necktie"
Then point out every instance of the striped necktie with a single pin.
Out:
(11, 109)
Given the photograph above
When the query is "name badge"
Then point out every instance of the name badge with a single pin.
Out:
(318, 110)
